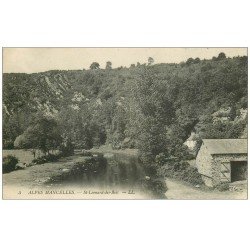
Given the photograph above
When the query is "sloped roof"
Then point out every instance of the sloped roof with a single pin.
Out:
(226, 146)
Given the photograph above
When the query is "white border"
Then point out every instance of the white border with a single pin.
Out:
(124, 224)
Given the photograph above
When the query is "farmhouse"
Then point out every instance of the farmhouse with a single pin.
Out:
(222, 160)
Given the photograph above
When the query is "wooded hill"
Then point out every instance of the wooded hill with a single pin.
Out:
(150, 107)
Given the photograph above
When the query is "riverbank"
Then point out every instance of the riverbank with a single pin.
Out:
(108, 149)
(36, 175)
(37, 181)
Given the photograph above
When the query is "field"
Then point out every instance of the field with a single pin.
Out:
(24, 156)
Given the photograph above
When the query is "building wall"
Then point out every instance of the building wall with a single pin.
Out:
(190, 144)
(216, 169)
(207, 180)
(204, 165)
(221, 168)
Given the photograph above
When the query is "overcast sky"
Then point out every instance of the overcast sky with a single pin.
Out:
(30, 60)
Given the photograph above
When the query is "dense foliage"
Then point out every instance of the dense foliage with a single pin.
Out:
(43, 133)
(9, 163)
(181, 171)
(152, 107)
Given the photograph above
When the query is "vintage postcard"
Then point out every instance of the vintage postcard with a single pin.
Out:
(125, 123)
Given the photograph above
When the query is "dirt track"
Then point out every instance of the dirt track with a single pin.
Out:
(181, 191)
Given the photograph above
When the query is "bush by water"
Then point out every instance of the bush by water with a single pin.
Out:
(9, 163)
(181, 171)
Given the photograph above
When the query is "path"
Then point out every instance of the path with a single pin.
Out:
(178, 190)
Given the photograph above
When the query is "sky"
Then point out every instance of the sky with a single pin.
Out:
(32, 60)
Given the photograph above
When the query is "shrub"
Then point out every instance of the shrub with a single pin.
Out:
(223, 187)
(181, 171)
(150, 170)
(161, 159)
(156, 187)
(8, 144)
(159, 188)
(46, 158)
(67, 149)
(128, 143)
(192, 176)
(190, 157)
(9, 163)
(86, 153)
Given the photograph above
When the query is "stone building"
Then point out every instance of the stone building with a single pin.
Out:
(222, 160)
(191, 142)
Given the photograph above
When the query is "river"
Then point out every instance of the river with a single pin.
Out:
(118, 172)
(111, 171)
(105, 170)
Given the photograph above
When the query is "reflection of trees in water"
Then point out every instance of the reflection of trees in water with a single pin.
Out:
(123, 176)
(123, 171)
(134, 176)
(111, 175)
(92, 171)
(103, 172)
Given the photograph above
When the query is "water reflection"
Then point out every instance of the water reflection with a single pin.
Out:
(111, 170)
(123, 171)
(115, 171)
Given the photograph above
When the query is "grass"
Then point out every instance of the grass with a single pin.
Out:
(24, 156)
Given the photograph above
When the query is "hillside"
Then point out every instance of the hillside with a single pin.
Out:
(153, 108)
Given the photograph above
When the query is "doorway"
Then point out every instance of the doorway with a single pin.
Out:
(238, 170)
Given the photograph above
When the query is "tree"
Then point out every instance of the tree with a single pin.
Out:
(43, 134)
(108, 65)
(75, 126)
(150, 61)
(9, 163)
(221, 56)
(197, 60)
(150, 113)
(232, 113)
(94, 65)
(190, 61)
